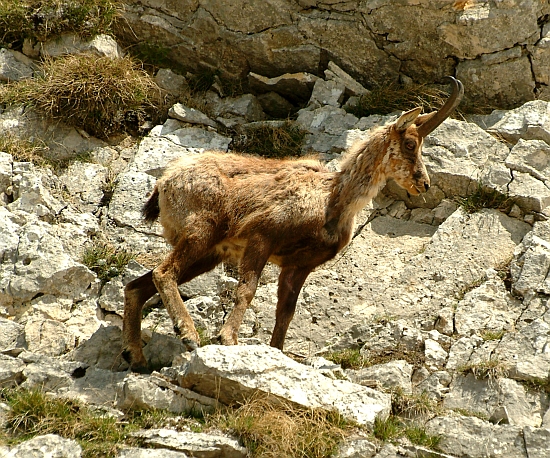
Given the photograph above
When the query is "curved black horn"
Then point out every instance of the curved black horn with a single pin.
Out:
(448, 107)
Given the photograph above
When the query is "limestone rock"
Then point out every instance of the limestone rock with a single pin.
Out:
(487, 307)
(536, 441)
(393, 375)
(46, 446)
(128, 199)
(356, 448)
(170, 81)
(294, 87)
(11, 371)
(199, 445)
(14, 66)
(327, 93)
(190, 115)
(100, 45)
(248, 369)
(12, 336)
(48, 337)
(335, 73)
(525, 408)
(471, 437)
(531, 121)
(154, 392)
(42, 266)
(532, 157)
(102, 350)
(488, 77)
(275, 105)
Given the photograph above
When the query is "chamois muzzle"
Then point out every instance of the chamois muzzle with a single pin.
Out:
(445, 111)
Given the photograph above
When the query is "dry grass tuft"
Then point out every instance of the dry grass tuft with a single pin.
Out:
(23, 149)
(97, 94)
(285, 431)
(394, 97)
(282, 139)
(491, 369)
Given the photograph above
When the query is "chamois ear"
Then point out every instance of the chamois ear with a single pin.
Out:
(407, 119)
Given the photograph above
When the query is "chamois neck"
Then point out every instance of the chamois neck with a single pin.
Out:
(362, 174)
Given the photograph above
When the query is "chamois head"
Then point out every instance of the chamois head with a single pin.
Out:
(404, 154)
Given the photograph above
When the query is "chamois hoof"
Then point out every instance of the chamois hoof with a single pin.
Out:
(220, 339)
(189, 344)
(141, 370)
(138, 365)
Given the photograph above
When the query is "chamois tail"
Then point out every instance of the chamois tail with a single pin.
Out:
(151, 209)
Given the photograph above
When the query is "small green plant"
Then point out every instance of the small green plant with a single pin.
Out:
(417, 435)
(489, 334)
(101, 95)
(202, 81)
(394, 97)
(485, 197)
(389, 429)
(413, 405)
(270, 140)
(33, 413)
(43, 19)
(537, 384)
(153, 54)
(490, 369)
(350, 358)
(204, 337)
(105, 260)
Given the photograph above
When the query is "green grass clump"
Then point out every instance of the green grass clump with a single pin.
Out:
(349, 358)
(105, 260)
(271, 140)
(417, 435)
(485, 197)
(43, 19)
(100, 95)
(489, 334)
(33, 413)
(394, 97)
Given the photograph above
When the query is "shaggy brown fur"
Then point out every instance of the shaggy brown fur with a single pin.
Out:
(295, 213)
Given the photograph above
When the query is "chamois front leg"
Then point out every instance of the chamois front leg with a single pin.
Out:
(291, 280)
(255, 256)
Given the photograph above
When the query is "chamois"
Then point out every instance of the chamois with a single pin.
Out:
(218, 206)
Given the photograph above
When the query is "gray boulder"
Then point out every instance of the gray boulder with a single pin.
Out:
(245, 370)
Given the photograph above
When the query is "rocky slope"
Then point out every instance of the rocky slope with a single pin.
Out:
(446, 304)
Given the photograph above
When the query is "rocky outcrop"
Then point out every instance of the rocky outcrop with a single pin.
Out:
(376, 42)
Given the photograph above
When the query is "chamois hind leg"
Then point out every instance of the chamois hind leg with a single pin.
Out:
(291, 280)
(253, 261)
(198, 243)
(136, 293)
